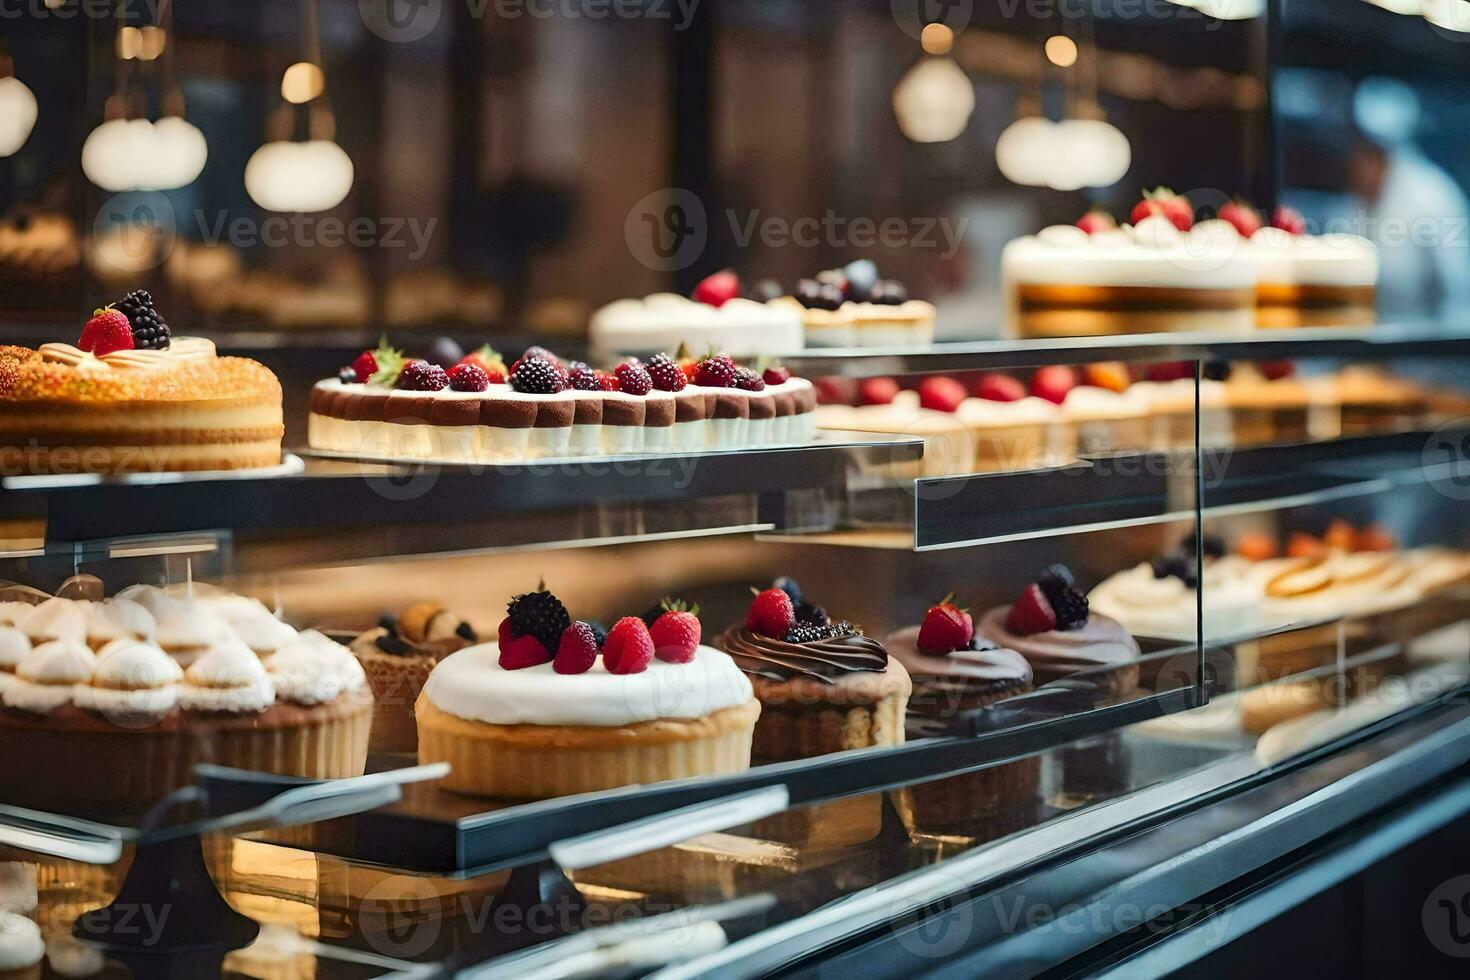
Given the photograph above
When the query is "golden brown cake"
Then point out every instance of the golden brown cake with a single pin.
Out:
(65, 410)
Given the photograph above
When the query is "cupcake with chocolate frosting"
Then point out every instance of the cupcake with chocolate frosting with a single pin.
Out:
(398, 655)
(955, 669)
(1051, 625)
(823, 686)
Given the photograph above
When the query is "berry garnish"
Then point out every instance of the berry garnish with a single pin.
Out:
(776, 375)
(347, 376)
(1067, 601)
(816, 295)
(633, 379)
(536, 376)
(468, 376)
(877, 391)
(149, 330)
(607, 381)
(1257, 546)
(1376, 537)
(583, 378)
(364, 366)
(665, 374)
(1031, 613)
(765, 290)
(1178, 565)
(423, 376)
(1303, 545)
(1162, 201)
(748, 380)
(1095, 221)
(676, 633)
(718, 289)
(859, 277)
(490, 362)
(717, 371)
(1170, 371)
(999, 388)
(1109, 375)
(107, 331)
(1244, 218)
(1289, 220)
(539, 614)
(1053, 383)
(945, 628)
(576, 652)
(599, 632)
(771, 614)
(1276, 370)
(790, 586)
(384, 364)
(941, 393)
(629, 647)
(807, 633)
(888, 292)
(517, 652)
(811, 614)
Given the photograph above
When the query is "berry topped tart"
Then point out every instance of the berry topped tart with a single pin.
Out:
(481, 409)
(130, 397)
(557, 707)
(853, 307)
(397, 656)
(720, 316)
(823, 685)
(1052, 626)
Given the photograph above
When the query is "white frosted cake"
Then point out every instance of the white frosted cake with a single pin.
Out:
(1313, 280)
(663, 321)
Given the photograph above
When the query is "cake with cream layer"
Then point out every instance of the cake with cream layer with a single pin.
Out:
(663, 321)
(1312, 280)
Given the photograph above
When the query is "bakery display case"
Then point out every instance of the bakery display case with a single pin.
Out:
(488, 507)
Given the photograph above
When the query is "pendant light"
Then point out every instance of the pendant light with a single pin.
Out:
(17, 107)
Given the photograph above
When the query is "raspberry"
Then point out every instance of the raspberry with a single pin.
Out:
(577, 651)
(748, 380)
(423, 376)
(1031, 613)
(665, 374)
(607, 381)
(777, 375)
(771, 614)
(149, 330)
(539, 614)
(676, 633)
(633, 379)
(537, 377)
(365, 366)
(518, 652)
(945, 628)
(468, 376)
(583, 378)
(629, 647)
(715, 372)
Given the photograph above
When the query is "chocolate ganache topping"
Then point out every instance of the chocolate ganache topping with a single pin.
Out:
(822, 660)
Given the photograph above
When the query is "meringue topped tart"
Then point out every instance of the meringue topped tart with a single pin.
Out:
(110, 406)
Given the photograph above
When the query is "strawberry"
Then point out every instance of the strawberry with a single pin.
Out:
(776, 375)
(1053, 383)
(718, 289)
(1303, 545)
(833, 390)
(676, 633)
(1095, 221)
(365, 366)
(771, 614)
(941, 393)
(999, 388)
(1289, 220)
(1246, 219)
(1170, 371)
(1256, 546)
(107, 331)
(1276, 370)
(518, 652)
(488, 361)
(1341, 536)
(1112, 375)
(877, 391)
(1376, 537)
(606, 380)
(1163, 201)
(577, 651)
(1031, 613)
(629, 648)
(945, 628)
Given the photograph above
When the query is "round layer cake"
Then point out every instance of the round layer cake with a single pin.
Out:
(64, 410)
(534, 733)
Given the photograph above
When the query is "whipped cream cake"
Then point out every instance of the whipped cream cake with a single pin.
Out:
(120, 403)
(711, 321)
(540, 407)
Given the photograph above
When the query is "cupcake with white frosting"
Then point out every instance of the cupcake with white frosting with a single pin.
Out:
(22, 950)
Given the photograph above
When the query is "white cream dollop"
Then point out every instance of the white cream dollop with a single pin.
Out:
(47, 677)
(227, 677)
(55, 619)
(315, 670)
(471, 684)
(14, 645)
(21, 946)
(118, 619)
(255, 625)
(132, 679)
(1166, 608)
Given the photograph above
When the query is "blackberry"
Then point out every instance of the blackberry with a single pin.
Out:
(394, 644)
(423, 376)
(791, 587)
(539, 614)
(347, 375)
(807, 634)
(540, 353)
(652, 613)
(1214, 546)
(466, 632)
(664, 373)
(1055, 579)
(149, 330)
(633, 379)
(537, 377)
(843, 628)
(748, 380)
(887, 292)
(1217, 370)
(807, 612)
(1180, 565)
(1070, 605)
(583, 378)
(599, 632)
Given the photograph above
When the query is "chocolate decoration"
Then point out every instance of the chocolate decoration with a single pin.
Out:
(1100, 644)
(690, 407)
(959, 679)
(507, 413)
(659, 413)
(589, 409)
(555, 413)
(455, 411)
(623, 411)
(822, 660)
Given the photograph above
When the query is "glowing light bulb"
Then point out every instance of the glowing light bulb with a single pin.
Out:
(1061, 51)
(17, 114)
(315, 175)
(933, 102)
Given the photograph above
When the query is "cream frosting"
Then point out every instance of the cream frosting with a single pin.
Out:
(1151, 253)
(184, 626)
(179, 351)
(985, 413)
(254, 624)
(21, 946)
(11, 612)
(152, 598)
(48, 676)
(471, 684)
(228, 677)
(1166, 607)
(1101, 644)
(315, 669)
(134, 679)
(661, 321)
(14, 645)
(1334, 259)
(55, 619)
(118, 619)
